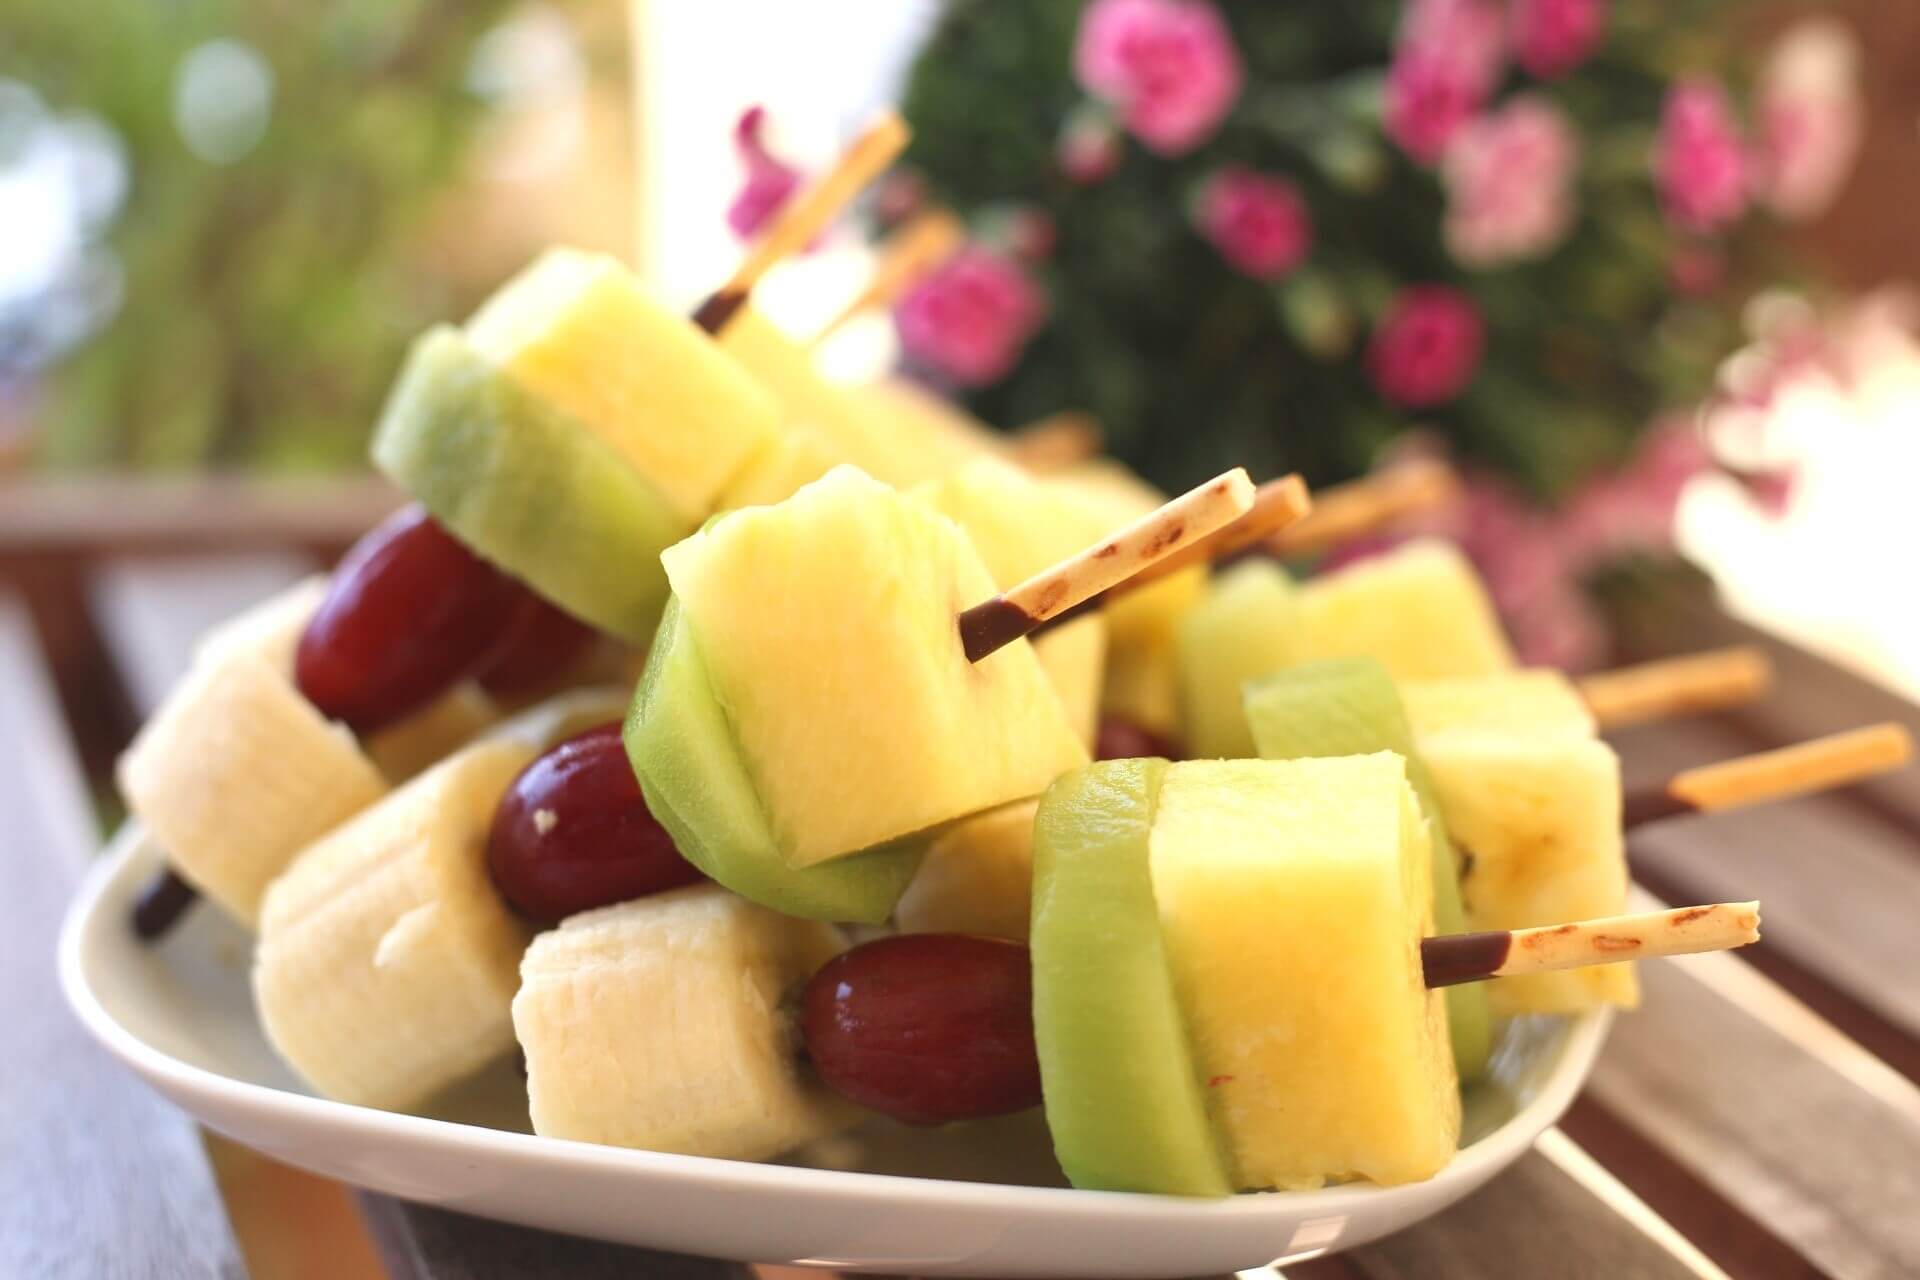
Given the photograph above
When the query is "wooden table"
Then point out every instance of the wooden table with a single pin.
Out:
(1759, 1116)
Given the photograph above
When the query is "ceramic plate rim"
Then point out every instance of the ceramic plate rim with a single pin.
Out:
(178, 1079)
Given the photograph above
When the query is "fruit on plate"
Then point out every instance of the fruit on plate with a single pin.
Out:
(528, 486)
(664, 1023)
(1348, 707)
(386, 961)
(838, 417)
(1141, 687)
(585, 336)
(977, 877)
(1420, 610)
(1532, 800)
(1244, 627)
(838, 712)
(1291, 899)
(1021, 525)
(1108, 1024)
(237, 771)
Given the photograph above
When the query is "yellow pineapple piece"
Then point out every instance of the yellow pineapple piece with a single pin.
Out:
(943, 437)
(799, 457)
(583, 333)
(1421, 611)
(1074, 656)
(1532, 800)
(977, 877)
(827, 627)
(1293, 897)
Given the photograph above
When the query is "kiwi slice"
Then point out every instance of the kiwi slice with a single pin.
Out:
(1123, 1098)
(694, 781)
(527, 486)
(1349, 707)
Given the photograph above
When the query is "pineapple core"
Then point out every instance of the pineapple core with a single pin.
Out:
(583, 333)
(1531, 797)
(1420, 611)
(1293, 896)
(828, 628)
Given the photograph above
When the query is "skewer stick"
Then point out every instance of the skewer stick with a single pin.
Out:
(910, 253)
(1276, 504)
(1366, 505)
(1819, 764)
(1689, 685)
(161, 904)
(1057, 440)
(1683, 931)
(805, 217)
(993, 624)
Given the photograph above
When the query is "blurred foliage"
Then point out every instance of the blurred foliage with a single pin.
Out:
(267, 299)
(1194, 367)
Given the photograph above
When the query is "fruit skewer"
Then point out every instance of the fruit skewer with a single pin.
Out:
(1275, 505)
(1670, 687)
(796, 226)
(1818, 764)
(926, 241)
(1353, 510)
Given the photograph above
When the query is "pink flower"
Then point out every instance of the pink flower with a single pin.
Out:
(1168, 66)
(768, 183)
(1699, 162)
(969, 319)
(1258, 223)
(1088, 149)
(1427, 348)
(1446, 61)
(1509, 178)
(1810, 118)
(1552, 37)
(1632, 508)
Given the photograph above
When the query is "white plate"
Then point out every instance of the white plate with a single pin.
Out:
(962, 1201)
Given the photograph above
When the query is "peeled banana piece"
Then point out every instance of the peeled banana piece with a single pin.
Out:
(236, 771)
(662, 1024)
(386, 960)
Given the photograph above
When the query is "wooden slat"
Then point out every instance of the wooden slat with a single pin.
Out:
(1840, 881)
(1535, 1219)
(98, 1176)
(143, 514)
(1736, 1082)
(420, 1243)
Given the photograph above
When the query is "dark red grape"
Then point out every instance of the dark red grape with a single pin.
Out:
(926, 1027)
(1120, 739)
(409, 613)
(573, 832)
(539, 644)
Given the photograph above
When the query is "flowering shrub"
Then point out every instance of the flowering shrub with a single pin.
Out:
(1285, 234)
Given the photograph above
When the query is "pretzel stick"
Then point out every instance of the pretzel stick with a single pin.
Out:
(909, 254)
(1367, 505)
(1470, 957)
(1819, 764)
(1689, 685)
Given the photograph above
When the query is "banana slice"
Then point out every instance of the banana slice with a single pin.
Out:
(237, 772)
(658, 1024)
(386, 961)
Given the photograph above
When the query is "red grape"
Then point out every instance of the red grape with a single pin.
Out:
(926, 1027)
(573, 832)
(1124, 740)
(409, 613)
(539, 643)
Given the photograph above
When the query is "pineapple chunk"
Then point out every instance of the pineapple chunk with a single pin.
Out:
(1020, 526)
(658, 1024)
(942, 436)
(1535, 816)
(583, 333)
(854, 429)
(977, 877)
(1244, 628)
(387, 961)
(1074, 657)
(827, 628)
(1538, 700)
(1141, 685)
(1293, 896)
(799, 457)
(1420, 610)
